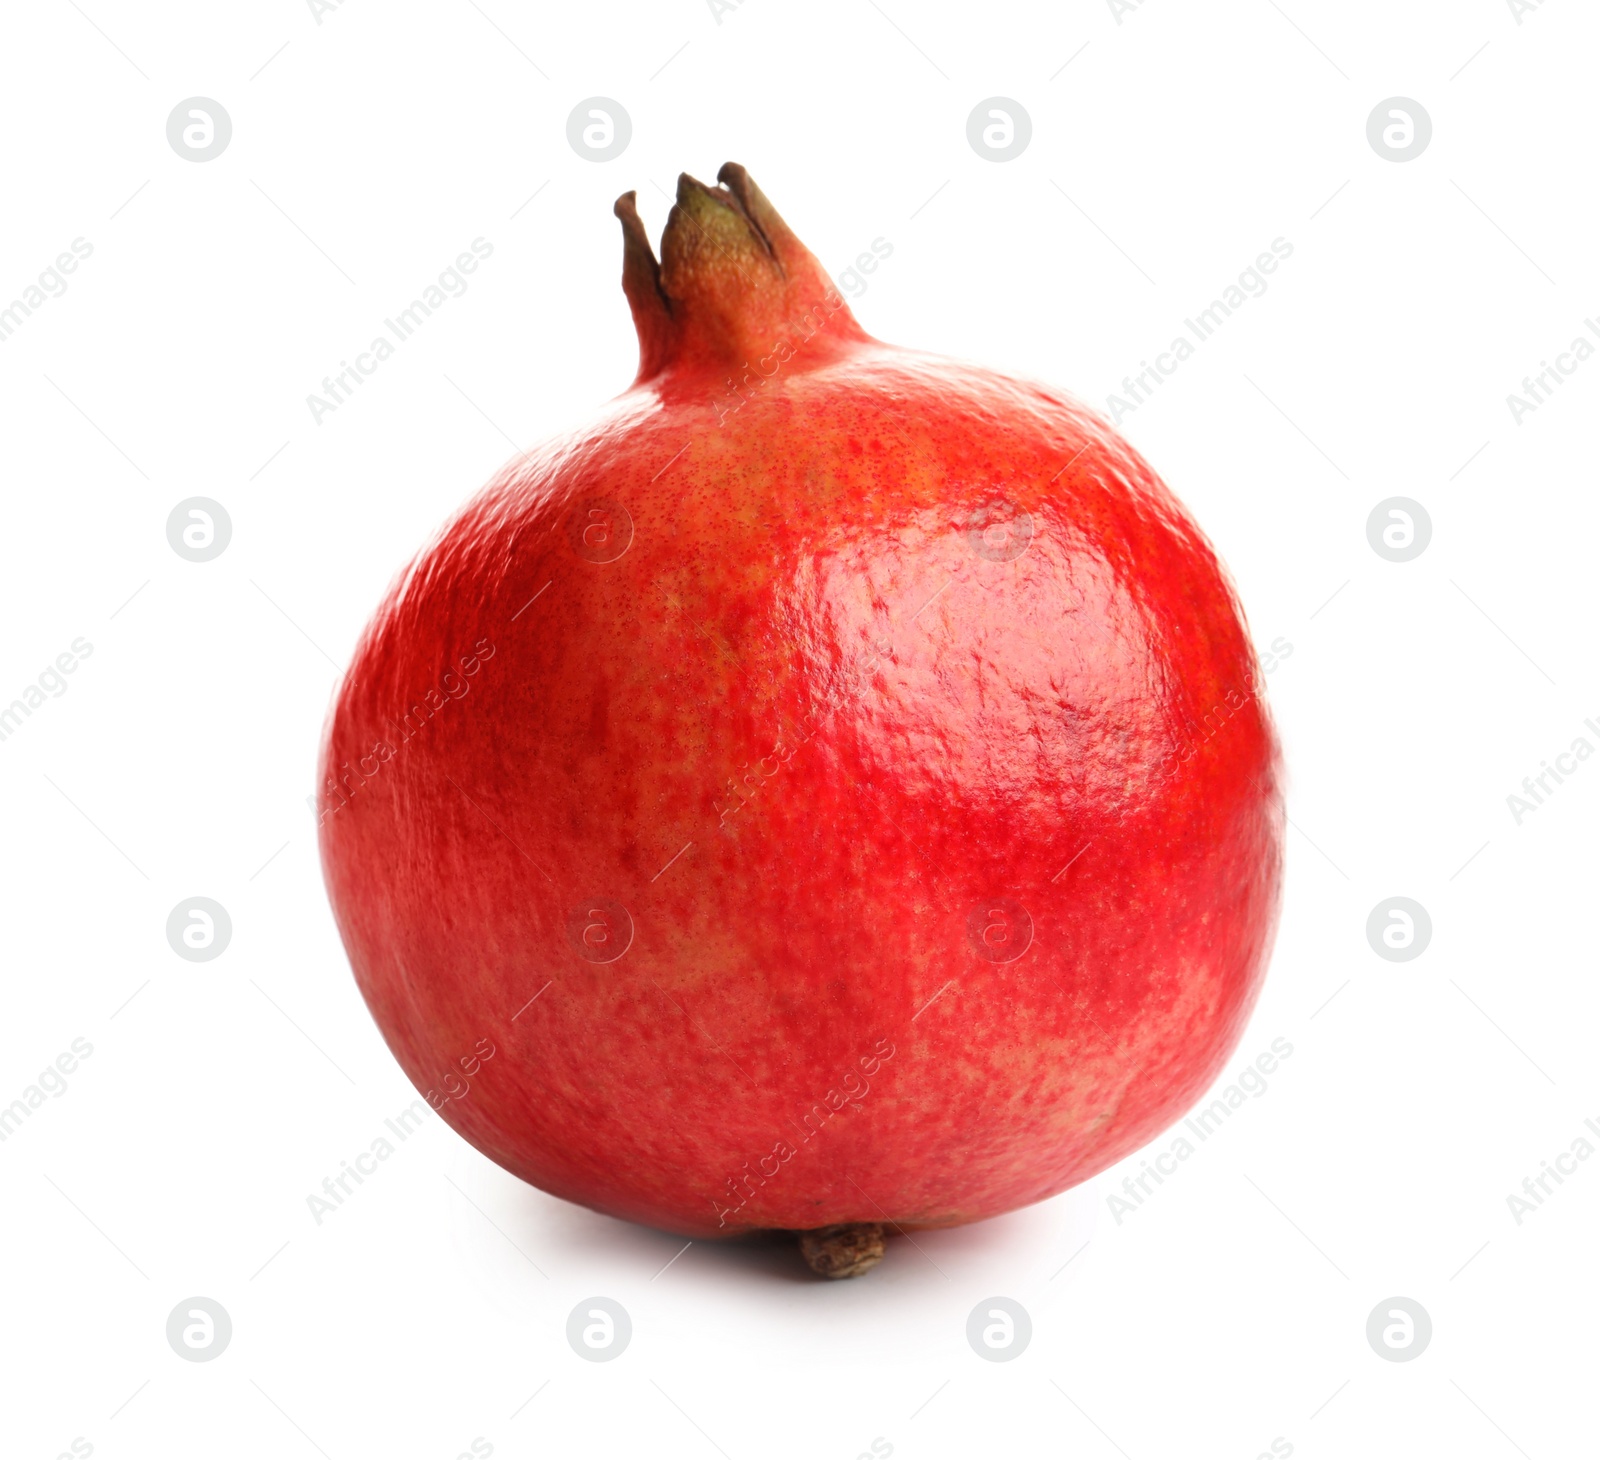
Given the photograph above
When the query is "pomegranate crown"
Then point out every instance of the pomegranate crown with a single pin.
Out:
(733, 282)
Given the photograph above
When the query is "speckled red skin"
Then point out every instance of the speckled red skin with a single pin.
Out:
(861, 729)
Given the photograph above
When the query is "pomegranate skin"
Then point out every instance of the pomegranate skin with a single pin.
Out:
(835, 793)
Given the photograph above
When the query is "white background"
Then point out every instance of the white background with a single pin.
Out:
(1169, 148)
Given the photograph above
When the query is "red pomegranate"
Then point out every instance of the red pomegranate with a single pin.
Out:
(828, 792)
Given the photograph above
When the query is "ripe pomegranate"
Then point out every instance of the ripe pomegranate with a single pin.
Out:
(829, 792)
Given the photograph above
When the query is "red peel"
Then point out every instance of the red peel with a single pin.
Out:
(833, 782)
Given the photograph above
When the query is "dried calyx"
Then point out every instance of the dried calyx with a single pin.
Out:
(732, 282)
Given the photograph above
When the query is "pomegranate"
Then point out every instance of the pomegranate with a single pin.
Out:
(830, 792)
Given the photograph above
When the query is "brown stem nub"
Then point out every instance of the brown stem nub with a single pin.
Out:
(843, 1252)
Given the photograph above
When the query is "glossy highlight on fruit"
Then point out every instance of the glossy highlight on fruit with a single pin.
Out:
(830, 789)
